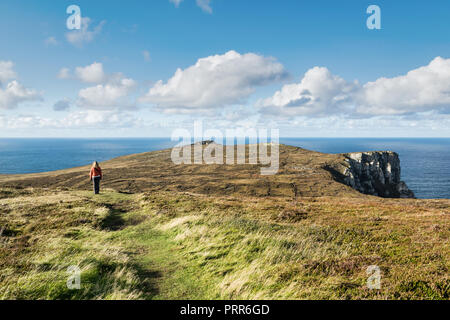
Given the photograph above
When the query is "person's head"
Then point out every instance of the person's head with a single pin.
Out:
(95, 165)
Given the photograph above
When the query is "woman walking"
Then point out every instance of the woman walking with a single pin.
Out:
(96, 176)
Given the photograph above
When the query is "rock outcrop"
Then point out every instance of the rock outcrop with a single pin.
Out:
(376, 173)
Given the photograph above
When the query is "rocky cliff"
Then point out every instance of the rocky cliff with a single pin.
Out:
(375, 173)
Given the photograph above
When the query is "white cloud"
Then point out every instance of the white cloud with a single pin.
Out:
(422, 89)
(321, 93)
(15, 93)
(205, 5)
(111, 91)
(92, 73)
(99, 118)
(64, 73)
(146, 55)
(214, 82)
(6, 71)
(82, 119)
(84, 35)
(24, 122)
(110, 95)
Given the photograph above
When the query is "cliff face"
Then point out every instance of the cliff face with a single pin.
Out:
(375, 173)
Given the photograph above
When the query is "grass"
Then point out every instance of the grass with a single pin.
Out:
(179, 245)
(302, 173)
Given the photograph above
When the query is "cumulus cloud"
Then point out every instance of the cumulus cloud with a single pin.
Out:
(214, 82)
(62, 105)
(84, 34)
(322, 93)
(113, 94)
(319, 92)
(421, 89)
(92, 73)
(15, 93)
(6, 71)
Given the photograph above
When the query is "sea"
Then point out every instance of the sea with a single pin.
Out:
(425, 162)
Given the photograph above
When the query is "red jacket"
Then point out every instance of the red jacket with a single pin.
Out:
(95, 172)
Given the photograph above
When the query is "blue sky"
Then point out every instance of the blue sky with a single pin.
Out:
(287, 64)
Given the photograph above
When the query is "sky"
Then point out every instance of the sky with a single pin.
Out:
(145, 68)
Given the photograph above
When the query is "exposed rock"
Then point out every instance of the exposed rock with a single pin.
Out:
(375, 173)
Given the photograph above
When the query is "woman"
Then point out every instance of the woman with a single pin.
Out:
(96, 176)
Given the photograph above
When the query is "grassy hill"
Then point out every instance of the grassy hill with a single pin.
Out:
(301, 172)
(162, 231)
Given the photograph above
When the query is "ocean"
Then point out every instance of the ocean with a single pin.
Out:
(425, 162)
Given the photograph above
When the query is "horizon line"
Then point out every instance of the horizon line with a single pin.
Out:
(286, 137)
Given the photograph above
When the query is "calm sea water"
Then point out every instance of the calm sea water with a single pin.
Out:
(425, 162)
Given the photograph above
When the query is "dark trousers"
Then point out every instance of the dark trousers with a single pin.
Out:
(96, 182)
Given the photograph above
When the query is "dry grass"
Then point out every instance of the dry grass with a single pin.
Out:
(166, 245)
(301, 173)
(204, 232)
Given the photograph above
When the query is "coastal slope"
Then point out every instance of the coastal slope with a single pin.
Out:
(301, 173)
(165, 231)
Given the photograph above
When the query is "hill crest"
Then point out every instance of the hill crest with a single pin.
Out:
(301, 173)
